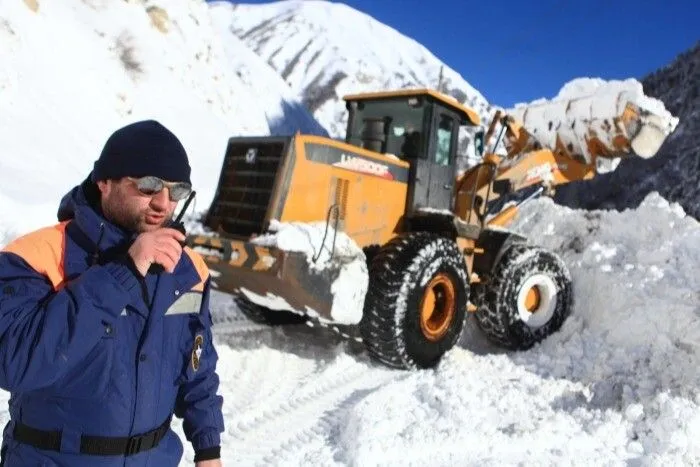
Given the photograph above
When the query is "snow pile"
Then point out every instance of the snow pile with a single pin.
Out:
(630, 88)
(634, 340)
(631, 265)
(586, 107)
(326, 249)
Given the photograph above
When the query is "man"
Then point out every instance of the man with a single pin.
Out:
(105, 330)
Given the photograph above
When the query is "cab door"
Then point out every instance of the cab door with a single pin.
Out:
(435, 172)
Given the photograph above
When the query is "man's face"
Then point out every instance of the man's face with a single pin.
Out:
(125, 205)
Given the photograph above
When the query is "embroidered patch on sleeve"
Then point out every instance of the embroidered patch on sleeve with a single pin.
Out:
(197, 351)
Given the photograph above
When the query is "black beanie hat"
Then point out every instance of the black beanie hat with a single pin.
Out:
(140, 149)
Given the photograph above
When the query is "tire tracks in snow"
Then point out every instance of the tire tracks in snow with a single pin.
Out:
(279, 400)
(271, 430)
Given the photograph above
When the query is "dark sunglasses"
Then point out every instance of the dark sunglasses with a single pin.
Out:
(150, 186)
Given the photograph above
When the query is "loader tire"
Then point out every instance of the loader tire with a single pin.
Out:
(370, 252)
(262, 315)
(415, 307)
(526, 298)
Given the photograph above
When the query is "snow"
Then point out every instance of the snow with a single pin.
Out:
(344, 257)
(184, 77)
(445, 212)
(617, 385)
(586, 106)
(284, 116)
(270, 301)
(675, 170)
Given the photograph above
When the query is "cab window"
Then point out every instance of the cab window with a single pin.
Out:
(443, 146)
(405, 122)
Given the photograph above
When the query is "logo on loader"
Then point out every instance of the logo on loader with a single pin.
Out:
(197, 351)
(359, 164)
(251, 155)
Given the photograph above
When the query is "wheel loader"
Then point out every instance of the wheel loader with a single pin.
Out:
(434, 241)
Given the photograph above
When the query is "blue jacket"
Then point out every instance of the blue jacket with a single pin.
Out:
(89, 347)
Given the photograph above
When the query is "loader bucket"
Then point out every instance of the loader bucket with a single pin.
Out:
(277, 279)
(649, 137)
(610, 124)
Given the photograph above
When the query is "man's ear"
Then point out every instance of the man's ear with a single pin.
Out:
(103, 185)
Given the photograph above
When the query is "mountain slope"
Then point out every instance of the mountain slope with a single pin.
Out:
(285, 115)
(675, 171)
(119, 62)
(325, 50)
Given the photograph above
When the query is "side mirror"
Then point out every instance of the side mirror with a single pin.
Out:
(479, 143)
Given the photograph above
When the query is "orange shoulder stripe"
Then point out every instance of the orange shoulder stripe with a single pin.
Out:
(43, 250)
(200, 266)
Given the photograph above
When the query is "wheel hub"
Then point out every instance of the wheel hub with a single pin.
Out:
(537, 300)
(437, 308)
(533, 299)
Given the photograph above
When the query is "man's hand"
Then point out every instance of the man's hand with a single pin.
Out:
(160, 246)
(209, 463)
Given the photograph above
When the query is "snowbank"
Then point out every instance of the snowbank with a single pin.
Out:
(316, 242)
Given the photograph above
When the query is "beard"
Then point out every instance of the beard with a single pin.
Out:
(129, 217)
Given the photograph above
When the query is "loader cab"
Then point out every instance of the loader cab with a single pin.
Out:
(418, 126)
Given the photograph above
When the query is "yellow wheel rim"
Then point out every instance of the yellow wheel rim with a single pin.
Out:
(437, 308)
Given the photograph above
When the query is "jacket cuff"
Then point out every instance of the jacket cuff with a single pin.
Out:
(207, 454)
(211, 439)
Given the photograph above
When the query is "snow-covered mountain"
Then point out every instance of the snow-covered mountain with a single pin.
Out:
(675, 171)
(119, 62)
(325, 50)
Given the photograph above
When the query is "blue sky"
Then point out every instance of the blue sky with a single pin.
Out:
(516, 51)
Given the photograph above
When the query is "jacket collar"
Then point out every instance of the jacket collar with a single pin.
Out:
(102, 238)
(81, 205)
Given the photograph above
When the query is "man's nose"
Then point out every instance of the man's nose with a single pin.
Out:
(161, 199)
